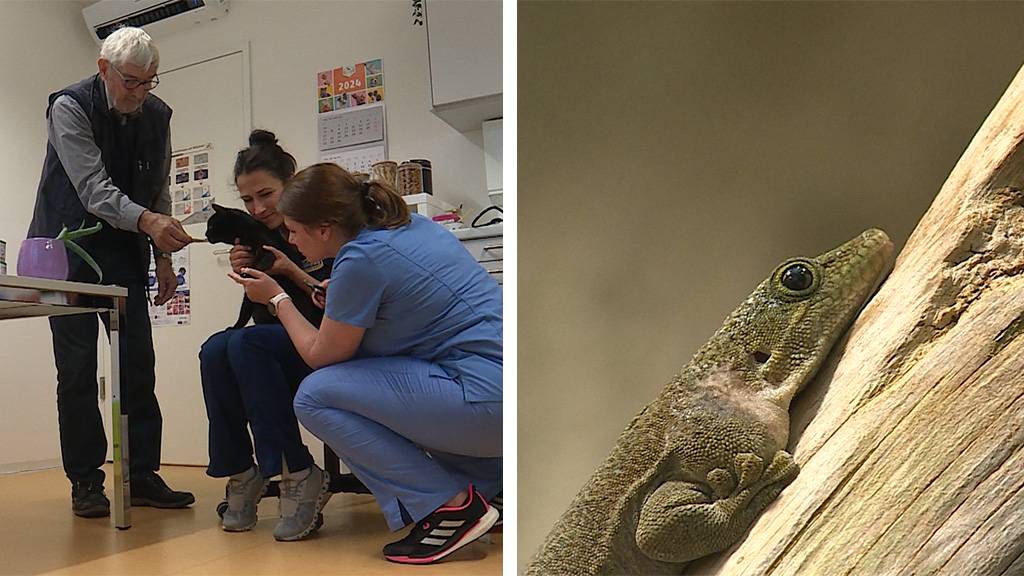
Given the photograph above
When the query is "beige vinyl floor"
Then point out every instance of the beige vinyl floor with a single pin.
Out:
(40, 535)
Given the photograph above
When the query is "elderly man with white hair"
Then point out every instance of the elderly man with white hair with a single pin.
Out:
(108, 160)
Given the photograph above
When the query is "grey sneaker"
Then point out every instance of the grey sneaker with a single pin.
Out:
(301, 499)
(244, 492)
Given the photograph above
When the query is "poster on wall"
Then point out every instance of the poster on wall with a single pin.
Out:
(178, 310)
(191, 194)
(350, 86)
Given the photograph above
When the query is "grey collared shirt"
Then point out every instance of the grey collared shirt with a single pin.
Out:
(70, 133)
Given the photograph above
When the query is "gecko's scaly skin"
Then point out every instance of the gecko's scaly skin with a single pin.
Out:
(695, 468)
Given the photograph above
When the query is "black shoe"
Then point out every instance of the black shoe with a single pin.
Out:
(498, 503)
(149, 489)
(88, 500)
(446, 530)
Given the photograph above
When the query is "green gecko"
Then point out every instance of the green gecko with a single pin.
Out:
(696, 466)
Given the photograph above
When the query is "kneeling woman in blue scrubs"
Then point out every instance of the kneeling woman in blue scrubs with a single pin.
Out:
(408, 359)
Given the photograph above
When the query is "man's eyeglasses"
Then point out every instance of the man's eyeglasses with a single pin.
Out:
(131, 83)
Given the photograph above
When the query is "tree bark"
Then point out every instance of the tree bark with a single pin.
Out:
(910, 440)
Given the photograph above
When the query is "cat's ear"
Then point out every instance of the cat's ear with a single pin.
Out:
(218, 208)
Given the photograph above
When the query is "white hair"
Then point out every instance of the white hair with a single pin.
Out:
(130, 46)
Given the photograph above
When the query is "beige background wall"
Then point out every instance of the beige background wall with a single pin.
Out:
(671, 154)
(44, 46)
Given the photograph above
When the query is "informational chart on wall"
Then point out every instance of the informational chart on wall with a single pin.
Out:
(178, 310)
(191, 193)
(351, 128)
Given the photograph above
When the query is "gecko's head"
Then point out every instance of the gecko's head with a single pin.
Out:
(782, 332)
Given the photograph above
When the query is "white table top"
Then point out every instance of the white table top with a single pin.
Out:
(62, 286)
(23, 297)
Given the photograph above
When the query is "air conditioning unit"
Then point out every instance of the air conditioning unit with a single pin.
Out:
(157, 17)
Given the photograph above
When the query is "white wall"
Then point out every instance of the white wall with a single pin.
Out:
(61, 53)
(290, 42)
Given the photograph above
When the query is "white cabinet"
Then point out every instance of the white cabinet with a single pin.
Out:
(464, 44)
(492, 130)
(485, 245)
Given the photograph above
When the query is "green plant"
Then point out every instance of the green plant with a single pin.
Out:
(68, 237)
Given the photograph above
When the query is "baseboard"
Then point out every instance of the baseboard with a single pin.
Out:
(29, 466)
(182, 465)
(34, 465)
(172, 464)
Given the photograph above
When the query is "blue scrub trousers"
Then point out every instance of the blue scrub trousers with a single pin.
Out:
(249, 379)
(404, 428)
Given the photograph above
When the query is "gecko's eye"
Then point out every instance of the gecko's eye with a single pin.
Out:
(797, 278)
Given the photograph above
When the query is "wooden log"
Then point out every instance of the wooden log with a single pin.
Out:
(910, 440)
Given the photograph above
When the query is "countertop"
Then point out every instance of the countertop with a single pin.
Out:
(481, 232)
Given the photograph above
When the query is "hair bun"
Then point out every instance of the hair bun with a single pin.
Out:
(262, 138)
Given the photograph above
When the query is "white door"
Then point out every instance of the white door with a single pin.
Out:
(210, 98)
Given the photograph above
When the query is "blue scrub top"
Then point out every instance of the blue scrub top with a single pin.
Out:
(419, 293)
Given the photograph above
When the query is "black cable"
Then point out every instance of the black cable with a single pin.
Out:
(476, 221)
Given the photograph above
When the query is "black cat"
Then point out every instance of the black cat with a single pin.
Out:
(224, 226)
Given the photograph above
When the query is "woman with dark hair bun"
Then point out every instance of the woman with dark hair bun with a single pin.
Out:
(250, 375)
(408, 358)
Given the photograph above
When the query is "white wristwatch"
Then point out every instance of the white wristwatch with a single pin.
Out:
(272, 304)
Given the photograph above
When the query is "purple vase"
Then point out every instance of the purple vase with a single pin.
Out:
(43, 258)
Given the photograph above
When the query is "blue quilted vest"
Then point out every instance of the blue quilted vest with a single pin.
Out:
(134, 155)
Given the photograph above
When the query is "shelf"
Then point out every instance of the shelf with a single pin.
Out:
(427, 204)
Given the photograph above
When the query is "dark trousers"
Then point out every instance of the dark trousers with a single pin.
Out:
(83, 444)
(250, 376)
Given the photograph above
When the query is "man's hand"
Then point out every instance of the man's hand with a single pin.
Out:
(240, 257)
(166, 232)
(166, 281)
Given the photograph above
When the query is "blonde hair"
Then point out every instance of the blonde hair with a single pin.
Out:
(130, 45)
(327, 193)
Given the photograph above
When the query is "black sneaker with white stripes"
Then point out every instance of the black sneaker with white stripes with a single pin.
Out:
(446, 530)
(498, 503)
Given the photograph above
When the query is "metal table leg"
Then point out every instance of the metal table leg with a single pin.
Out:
(119, 423)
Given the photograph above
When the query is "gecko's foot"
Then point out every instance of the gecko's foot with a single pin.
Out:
(682, 521)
